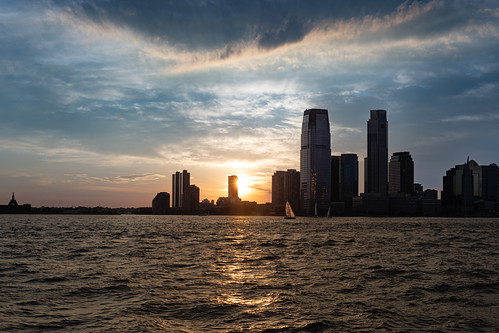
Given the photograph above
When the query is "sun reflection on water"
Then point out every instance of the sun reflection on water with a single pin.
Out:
(244, 272)
(263, 301)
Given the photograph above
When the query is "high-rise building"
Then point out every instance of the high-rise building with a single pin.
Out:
(180, 183)
(161, 203)
(278, 188)
(401, 173)
(335, 178)
(315, 162)
(349, 176)
(286, 187)
(191, 198)
(377, 153)
(292, 188)
(233, 193)
(344, 177)
(466, 183)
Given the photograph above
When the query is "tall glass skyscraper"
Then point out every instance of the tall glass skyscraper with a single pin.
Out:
(315, 162)
(377, 153)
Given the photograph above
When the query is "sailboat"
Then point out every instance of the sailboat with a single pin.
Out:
(289, 212)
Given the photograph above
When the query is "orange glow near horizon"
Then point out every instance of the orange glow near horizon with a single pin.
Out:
(244, 186)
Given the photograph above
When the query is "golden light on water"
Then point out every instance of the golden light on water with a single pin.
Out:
(262, 301)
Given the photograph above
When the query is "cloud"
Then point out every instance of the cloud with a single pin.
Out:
(291, 31)
(472, 118)
(84, 178)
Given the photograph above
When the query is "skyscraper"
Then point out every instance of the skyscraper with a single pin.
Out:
(191, 198)
(377, 153)
(469, 182)
(315, 162)
(344, 177)
(286, 187)
(233, 193)
(349, 176)
(180, 183)
(278, 188)
(401, 173)
(292, 188)
(335, 178)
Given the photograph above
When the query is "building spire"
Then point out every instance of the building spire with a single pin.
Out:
(13, 201)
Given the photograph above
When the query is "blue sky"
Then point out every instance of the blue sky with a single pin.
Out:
(101, 101)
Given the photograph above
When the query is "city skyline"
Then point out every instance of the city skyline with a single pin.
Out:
(103, 101)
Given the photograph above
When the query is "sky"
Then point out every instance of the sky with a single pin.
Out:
(102, 101)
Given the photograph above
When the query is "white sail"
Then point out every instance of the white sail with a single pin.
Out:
(289, 211)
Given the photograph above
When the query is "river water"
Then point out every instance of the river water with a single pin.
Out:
(248, 274)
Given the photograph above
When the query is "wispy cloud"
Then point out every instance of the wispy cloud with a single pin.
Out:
(472, 118)
(84, 178)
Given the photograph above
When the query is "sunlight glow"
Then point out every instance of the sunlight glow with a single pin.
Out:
(244, 185)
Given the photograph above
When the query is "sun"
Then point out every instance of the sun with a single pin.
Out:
(243, 185)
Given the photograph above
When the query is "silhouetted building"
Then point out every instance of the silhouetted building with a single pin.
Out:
(180, 183)
(418, 190)
(349, 176)
(401, 174)
(344, 177)
(365, 175)
(403, 204)
(315, 162)
(161, 203)
(490, 182)
(335, 178)
(278, 188)
(206, 206)
(191, 198)
(470, 188)
(377, 153)
(430, 205)
(14, 208)
(292, 188)
(286, 187)
(13, 202)
(233, 192)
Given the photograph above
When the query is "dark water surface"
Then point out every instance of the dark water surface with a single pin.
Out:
(232, 274)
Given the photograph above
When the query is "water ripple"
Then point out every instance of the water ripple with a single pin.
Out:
(247, 274)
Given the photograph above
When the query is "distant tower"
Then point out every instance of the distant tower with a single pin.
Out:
(401, 176)
(233, 193)
(467, 186)
(377, 153)
(13, 202)
(315, 162)
(180, 183)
